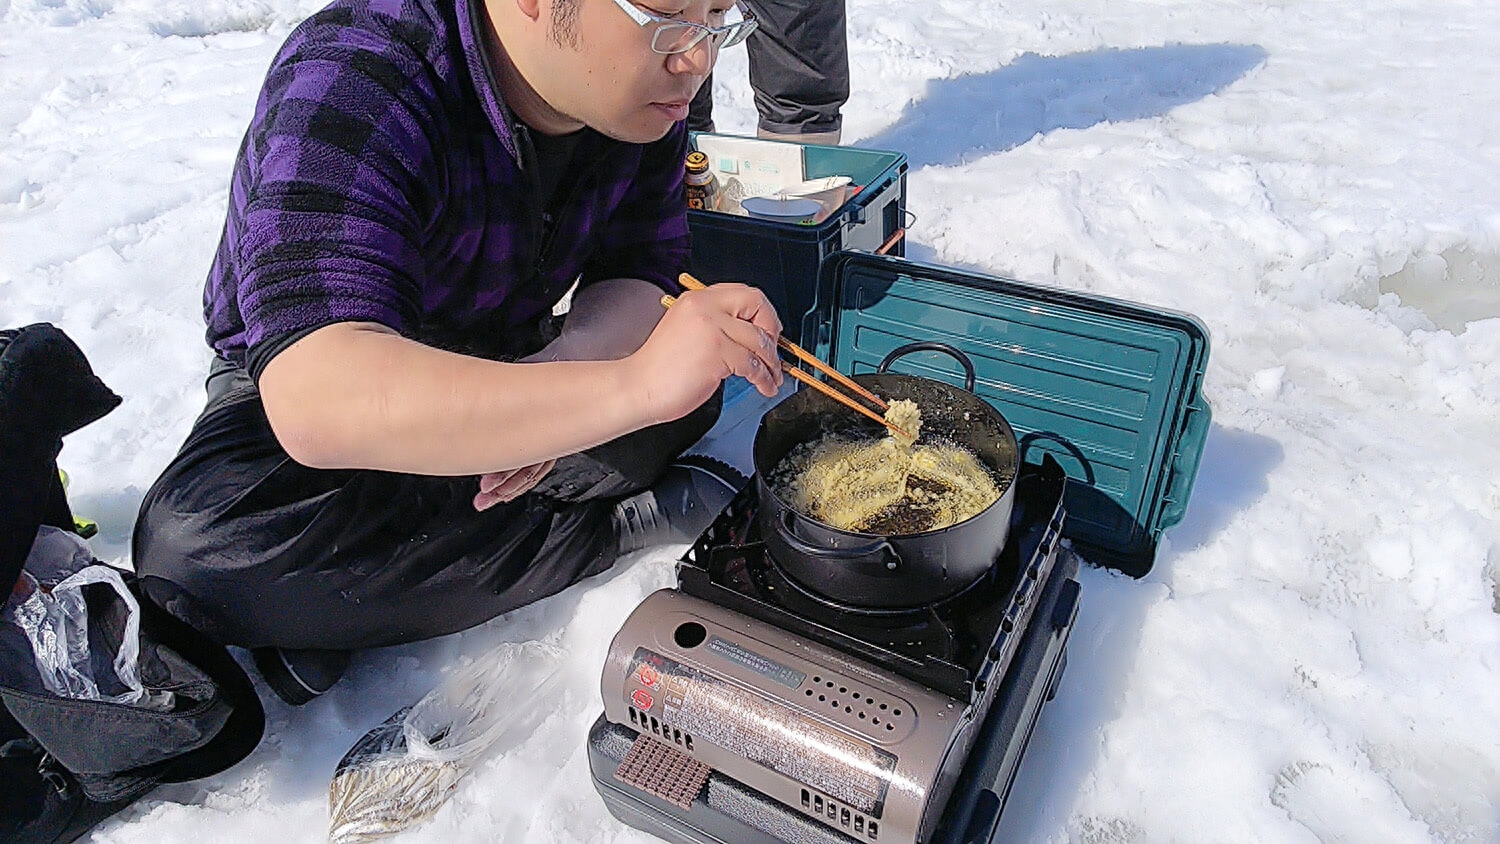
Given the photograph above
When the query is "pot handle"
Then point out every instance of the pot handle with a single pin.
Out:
(880, 546)
(932, 346)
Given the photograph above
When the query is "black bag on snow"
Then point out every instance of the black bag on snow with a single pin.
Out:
(68, 763)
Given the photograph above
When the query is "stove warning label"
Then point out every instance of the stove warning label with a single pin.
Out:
(767, 668)
(769, 733)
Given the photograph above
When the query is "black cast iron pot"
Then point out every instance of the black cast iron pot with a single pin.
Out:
(898, 571)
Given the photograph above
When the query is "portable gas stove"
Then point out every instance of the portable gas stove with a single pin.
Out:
(741, 707)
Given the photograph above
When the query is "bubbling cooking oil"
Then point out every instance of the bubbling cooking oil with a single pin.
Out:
(887, 485)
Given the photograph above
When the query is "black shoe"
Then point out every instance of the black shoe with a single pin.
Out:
(298, 676)
(681, 504)
(42, 801)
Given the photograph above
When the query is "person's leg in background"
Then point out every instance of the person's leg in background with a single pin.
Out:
(799, 70)
(701, 110)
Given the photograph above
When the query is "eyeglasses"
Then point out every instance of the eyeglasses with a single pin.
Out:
(674, 36)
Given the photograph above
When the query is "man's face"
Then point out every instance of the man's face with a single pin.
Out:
(597, 66)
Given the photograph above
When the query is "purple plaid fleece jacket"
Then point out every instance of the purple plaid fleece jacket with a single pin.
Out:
(380, 180)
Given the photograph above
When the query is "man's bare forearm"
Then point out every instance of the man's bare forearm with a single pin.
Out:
(355, 395)
(358, 395)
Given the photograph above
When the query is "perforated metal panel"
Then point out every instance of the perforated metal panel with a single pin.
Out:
(661, 771)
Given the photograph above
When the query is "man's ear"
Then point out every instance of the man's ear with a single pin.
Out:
(531, 8)
(499, 10)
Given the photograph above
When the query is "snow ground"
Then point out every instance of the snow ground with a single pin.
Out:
(1316, 655)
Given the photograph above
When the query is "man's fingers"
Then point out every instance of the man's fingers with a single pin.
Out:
(764, 317)
(751, 329)
(491, 481)
(726, 329)
(485, 500)
(760, 345)
(496, 487)
(523, 479)
(746, 303)
(540, 471)
(752, 368)
(757, 328)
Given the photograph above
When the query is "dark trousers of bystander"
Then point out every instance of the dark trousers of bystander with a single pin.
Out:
(799, 69)
(255, 549)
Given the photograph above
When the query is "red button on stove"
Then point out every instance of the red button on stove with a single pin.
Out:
(642, 699)
(649, 676)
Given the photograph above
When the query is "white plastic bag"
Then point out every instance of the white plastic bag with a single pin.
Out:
(48, 607)
(402, 772)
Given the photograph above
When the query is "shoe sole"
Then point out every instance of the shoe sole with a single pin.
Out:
(280, 677)
(733, 479)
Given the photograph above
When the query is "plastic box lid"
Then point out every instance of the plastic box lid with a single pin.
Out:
(1111, 389)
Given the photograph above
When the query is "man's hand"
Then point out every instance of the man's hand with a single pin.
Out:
(508, 485)
(709, 335)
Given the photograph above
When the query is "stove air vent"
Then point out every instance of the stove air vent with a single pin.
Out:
(836, 814)
(873, 714)
(646, 722)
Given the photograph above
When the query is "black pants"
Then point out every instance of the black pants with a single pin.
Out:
(253, 548)
(799, 68)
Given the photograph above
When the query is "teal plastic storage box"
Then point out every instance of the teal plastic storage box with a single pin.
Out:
(1111, 389)
(784, 259)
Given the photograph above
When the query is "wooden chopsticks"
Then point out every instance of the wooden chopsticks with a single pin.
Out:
(802, 354)
(844, 400)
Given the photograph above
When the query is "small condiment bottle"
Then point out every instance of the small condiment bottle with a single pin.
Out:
(702, 188)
